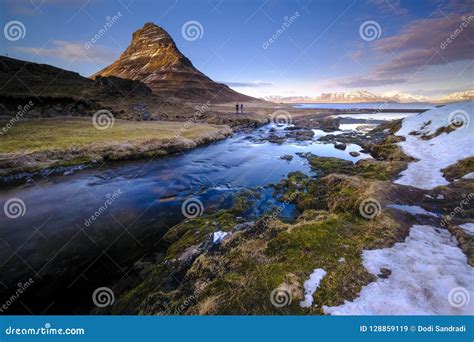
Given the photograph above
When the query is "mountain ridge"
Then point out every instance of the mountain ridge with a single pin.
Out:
(154, 59)
(362, 96)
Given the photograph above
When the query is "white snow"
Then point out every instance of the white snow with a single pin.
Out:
(412, 209)
(376, 116)
(425, 269)
(311, 285)
(469, 176)
(468, 228)
(219, 236)
(437, 153)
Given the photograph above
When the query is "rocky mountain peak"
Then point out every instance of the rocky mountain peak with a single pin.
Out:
(153, 58)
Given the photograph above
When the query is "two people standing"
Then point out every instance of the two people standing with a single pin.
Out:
(237, 108)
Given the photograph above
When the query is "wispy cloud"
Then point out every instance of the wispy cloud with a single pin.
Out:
(255, 84)
(73, 51)
(420, 44)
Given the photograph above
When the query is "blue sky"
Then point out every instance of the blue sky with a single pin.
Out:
(321, 50)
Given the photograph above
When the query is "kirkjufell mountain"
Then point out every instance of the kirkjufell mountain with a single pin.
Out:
(153, 58)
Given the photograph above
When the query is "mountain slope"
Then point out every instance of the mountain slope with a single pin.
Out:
(153, 58)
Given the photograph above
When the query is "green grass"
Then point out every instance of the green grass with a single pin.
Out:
(39, 135)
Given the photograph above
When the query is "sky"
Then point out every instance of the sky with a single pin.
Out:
(264, 47)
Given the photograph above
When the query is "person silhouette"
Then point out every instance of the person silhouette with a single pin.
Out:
(236, 108)
(242, 108)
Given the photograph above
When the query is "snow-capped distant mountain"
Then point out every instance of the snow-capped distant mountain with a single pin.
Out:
(351, 97)
(404, 97)
(361, 96)
(467, 95)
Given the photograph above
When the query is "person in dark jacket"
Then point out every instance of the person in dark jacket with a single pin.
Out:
(242, 108)
(236, 108)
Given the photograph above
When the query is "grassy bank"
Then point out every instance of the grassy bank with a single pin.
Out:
(34, 144)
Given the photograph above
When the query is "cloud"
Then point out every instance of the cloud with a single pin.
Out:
(247, 84)
(33, 7)
(422, 43)
(389, 6)
(71, 51)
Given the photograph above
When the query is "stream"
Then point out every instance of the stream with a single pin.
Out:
(68, 255)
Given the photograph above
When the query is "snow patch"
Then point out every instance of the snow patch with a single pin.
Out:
(311, 285)
(426, 270)
(439, 152)
(468, 228)
(218, 236)
(469, 176)
(412, 209)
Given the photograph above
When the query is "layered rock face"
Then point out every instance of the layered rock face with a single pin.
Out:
(153, 58)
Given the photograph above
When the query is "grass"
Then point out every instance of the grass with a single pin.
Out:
(40, 135)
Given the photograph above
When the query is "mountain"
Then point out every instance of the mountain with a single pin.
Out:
(357, 96)
(467, 95)
(153, 58)
(404, 97)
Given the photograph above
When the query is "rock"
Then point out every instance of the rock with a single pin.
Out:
(287, 157)
(340, 146)
(68, 173)
(354, 154)
(384, 273)
(243, 226)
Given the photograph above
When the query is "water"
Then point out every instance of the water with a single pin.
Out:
(69, 255)
(376, 106)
